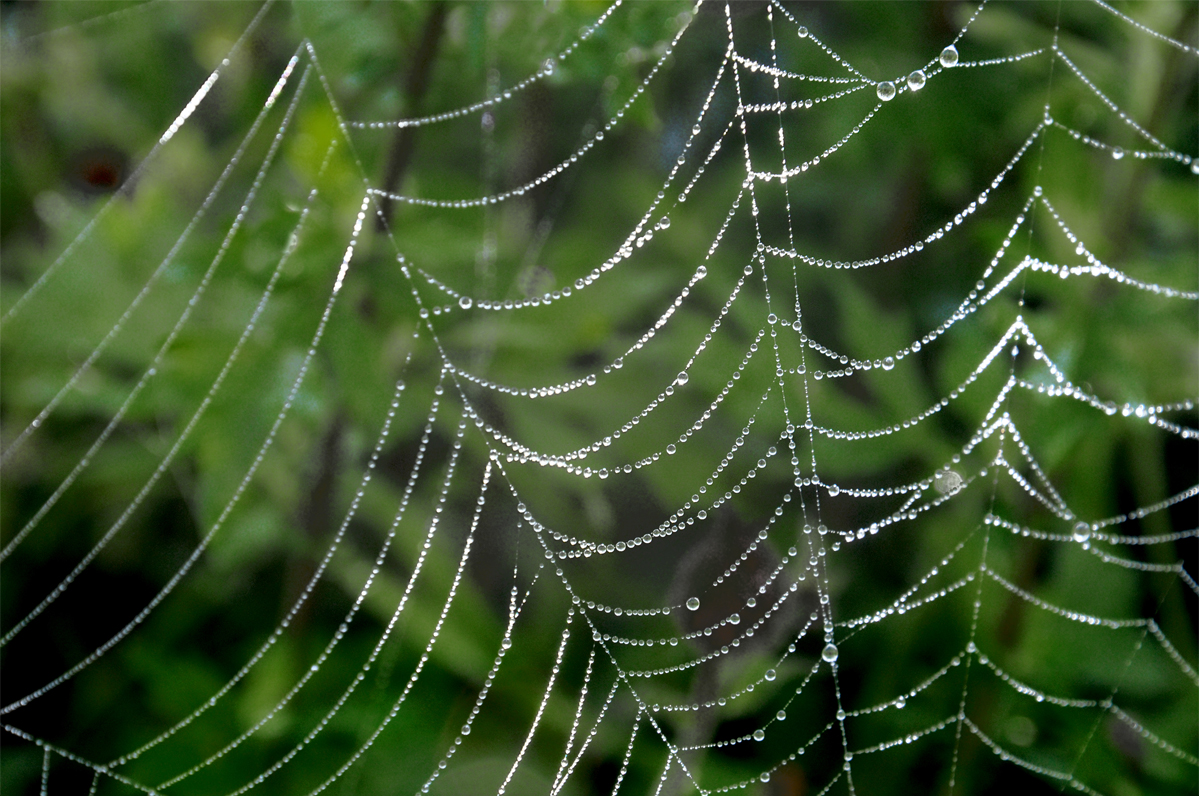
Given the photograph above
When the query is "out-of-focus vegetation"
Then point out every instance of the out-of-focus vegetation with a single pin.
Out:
(83, 99)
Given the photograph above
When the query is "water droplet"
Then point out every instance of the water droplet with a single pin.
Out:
(769, 675)
(1196, 167)
(916, 80)
(949, 57)
(885, 90)
(734, 619)
(780, 716)
(682, 378)
(947, 481)
(701, 272)
(765, 776)
(900, 703)
(465, 302)
(772, 319)
(759, 735)
(591, 380)
(1081, 532)
(664, 222)
(1118, 153)
(889, 363)
(693, 603)
(506, 643)
(830, 653)
(834, 490)
(802, 32)
(548, 67)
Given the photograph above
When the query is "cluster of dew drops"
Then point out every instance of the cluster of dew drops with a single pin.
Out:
(886, 89)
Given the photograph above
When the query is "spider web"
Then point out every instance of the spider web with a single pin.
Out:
(719, 520)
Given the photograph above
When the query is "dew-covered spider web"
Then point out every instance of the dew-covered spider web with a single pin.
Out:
(565, 398)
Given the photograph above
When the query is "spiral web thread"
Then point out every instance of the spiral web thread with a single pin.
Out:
(621, 693)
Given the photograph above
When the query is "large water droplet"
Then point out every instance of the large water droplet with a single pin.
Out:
(889, 363)
(885, 90)
(465, 302)
(1118, 153)
(1081, 532)
(734, 619)
(780, 716)
(947, 481)
(759, 735)
(916, 80)
(506, 643)
(802, 32)
(591, 379)
(834, 490)
(693, 603)
(830, 653)
(949, 56)
(682, 378)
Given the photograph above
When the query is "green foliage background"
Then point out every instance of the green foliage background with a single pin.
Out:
(79, 98)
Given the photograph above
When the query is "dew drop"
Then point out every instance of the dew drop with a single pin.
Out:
(830, 653)
(506, 644)
(834, 490)
(591, 380)
(1118, 153)
(759, 735)
(1081, 532)
(693, 603)
(889, 363)
(885, 90)
(916, 80)
(701, 272)
(949, 56)
(769, 675)
(780, 716)
(900, 703)
(465, 302)
(663, 222)
(947, 481)
(682, 378)
(734, 619)
(802, 32)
